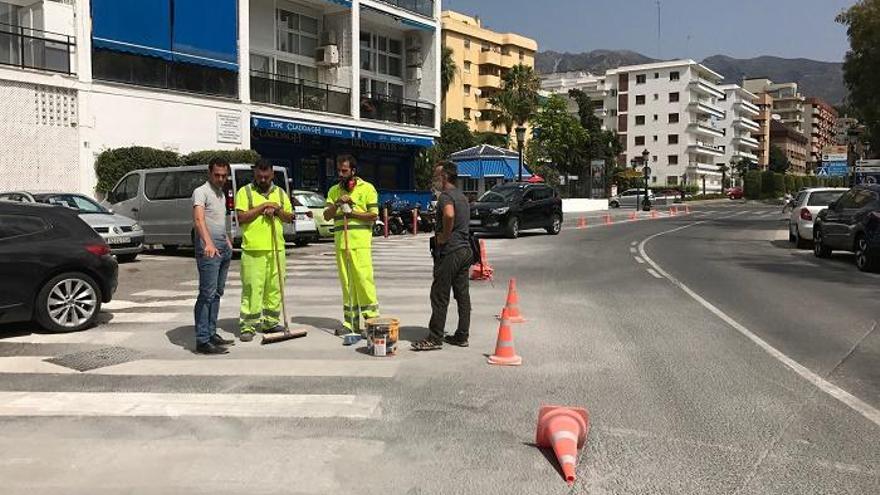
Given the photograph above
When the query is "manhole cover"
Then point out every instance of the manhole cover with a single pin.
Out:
(99, 358)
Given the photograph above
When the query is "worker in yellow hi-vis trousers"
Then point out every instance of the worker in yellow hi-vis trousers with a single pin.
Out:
(258, 205)
(353, 204)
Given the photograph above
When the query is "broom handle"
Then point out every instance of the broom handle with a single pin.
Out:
(278, 270)
(352, 296)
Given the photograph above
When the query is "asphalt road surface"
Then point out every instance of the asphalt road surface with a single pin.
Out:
(713, 358)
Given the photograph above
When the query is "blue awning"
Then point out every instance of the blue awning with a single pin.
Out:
(205, 32)
(491, 167)
(142, 27)
(313, 128)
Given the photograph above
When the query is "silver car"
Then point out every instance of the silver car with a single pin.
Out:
(631, 198)
(124, 236)
(804, 208)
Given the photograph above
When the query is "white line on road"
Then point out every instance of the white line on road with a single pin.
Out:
(829, 388)
(176, 405)
(85, 337)
(654, 273)
(639, 260)
(632, 250)
(634, 243)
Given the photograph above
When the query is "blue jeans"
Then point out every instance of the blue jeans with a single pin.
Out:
(212, 280)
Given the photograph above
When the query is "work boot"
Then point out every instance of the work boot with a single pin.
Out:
(209, 348)
(216, 339)
(247, 336)
(456, 340)
(275, 329)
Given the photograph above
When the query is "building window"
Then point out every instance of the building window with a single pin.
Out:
(673, 97)
(673, 76)
(297, 33)
(141, 70)
(654, 179)
(640, 99)
(467, 114)
(673, 118)
(522, 55)
(656, 97)
(640, 120)
(654, 158)
(373, 87)
(656, 117)
(467, 89)
(655, 138)
(673, 159)
(672, 139)
(641, 79)
(381, 54)
(467, 67)
(467, 43)
(672, 180)
(656, 75)
(640, 140)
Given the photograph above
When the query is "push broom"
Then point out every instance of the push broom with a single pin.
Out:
(286, 334)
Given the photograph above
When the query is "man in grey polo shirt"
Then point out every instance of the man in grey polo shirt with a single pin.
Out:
(213, 253)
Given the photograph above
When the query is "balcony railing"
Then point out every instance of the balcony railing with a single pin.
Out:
(276, 89)
(424, 7)
(35, 49)
(400, 110)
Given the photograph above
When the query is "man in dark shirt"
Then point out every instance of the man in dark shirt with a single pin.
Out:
(452, 260)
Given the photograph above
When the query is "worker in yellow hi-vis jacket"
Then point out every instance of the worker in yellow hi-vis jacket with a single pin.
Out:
(355, 203)
(257, 206)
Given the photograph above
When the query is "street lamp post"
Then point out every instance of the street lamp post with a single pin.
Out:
(704, 183)
(520, 137)
(646, 203)
(724, 174)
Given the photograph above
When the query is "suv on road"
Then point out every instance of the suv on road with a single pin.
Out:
(54, 268)
(513, 207)
(852, 223)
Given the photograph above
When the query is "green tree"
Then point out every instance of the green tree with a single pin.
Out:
(448, 70)
(502, 113)
(455, 135)
(778, 160)
(517, 101)
(561, 140)
(861, 67)
(600, 144)
(232, 156)
(490, 138)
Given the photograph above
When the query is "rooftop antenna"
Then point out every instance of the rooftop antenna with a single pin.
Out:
(659, 53)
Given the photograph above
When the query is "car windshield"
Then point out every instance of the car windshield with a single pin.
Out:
(79, 203)
(310, 200)
(499, 195)
(823, 198)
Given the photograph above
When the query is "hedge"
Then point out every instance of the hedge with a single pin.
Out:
(752, 183)
(778, 185)
(767, 184)
(111, 165)
(790, 184)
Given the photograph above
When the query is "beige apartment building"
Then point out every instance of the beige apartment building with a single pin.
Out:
(764, 117)
(788, 102)
(482, 56)
(793, 143)
(819, 120)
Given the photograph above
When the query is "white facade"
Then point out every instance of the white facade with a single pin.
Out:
(593, 85)
(738, 125)
(85, 116)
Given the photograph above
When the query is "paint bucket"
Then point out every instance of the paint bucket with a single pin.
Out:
(382, 335)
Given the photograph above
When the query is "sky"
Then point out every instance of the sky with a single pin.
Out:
(689, 28)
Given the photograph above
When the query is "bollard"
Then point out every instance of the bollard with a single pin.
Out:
(386, 222)
(415, 215)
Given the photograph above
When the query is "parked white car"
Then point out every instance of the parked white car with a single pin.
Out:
(806, 205)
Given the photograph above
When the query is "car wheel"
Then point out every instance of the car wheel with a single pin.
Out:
(820, 250)
(126, 258)
(555, 225)
(614, 204)
(864, 260)
(378, 230)
(512, 230)
(171, 248)
(68, 302)
(397, 228)
(300, 242)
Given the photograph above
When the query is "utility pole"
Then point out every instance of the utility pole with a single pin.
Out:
(659, 52)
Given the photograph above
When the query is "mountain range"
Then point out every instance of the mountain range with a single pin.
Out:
(820, 79)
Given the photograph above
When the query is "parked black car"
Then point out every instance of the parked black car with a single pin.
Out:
(53, 267)
(852, 223)
(513, 207)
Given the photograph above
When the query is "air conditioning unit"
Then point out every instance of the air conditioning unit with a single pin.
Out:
(327, 55)
(414, 73)
(328, 38)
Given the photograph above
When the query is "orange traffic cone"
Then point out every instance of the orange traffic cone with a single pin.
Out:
(505, 354)
(608, 219)
(672, 211)
(564, 429)
(632, 215)
(512, 304)
(687, 209)
(653, 213)
(582, 223)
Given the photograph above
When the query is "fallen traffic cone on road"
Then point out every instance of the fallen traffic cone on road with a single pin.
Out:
(505, 354)
(582, 223)
(608, 219)
(564, 429)
(512, 304)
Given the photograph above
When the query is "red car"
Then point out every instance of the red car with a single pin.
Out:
(735, 193)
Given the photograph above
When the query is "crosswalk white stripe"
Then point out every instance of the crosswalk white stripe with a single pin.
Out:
(135, 404)
(32, 365)
(153, 317)
(85, 337)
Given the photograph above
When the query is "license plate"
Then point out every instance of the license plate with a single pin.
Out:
(301, 216)
(475, 221)
(117, 240)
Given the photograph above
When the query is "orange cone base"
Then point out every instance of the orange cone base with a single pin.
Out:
(505, 361)
(512, 319)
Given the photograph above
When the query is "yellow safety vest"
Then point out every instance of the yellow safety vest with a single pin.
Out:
(365, 199)
(257, 234)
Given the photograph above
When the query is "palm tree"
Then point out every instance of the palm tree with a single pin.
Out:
(448, 69)
(523, 83)
(503, 103)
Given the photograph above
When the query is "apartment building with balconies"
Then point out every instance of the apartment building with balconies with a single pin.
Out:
(764, 102)
(794, 144)
(819, 119)
(592, 85)
(739, 125)
(482, 56)
(788, 102)
(672, 110)
(300, 82)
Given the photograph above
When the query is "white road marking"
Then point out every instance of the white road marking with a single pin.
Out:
(153, 317)
(639, 260)
(829, 388)
(31, 365)
(634, 243)
(123, 304)
(253, 367)
(177, 405)
(654, 273)
(632, 250)
(84, 337)
(161, 293)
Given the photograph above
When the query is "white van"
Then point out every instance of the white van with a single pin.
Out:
(160, 200)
